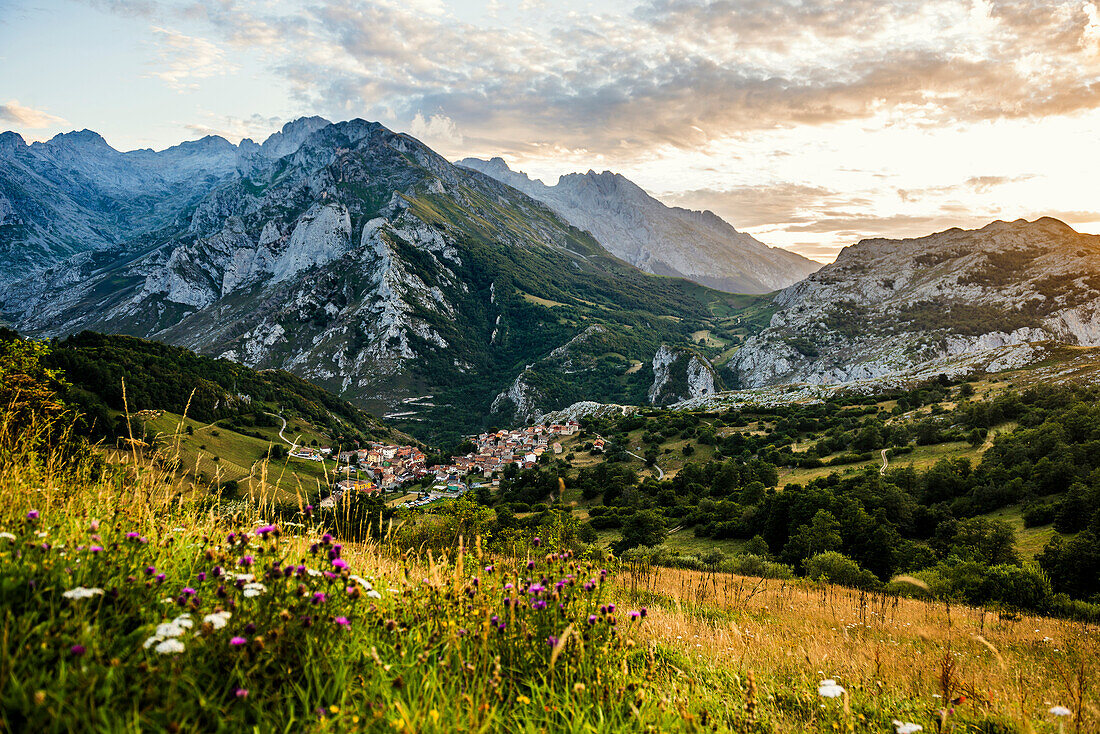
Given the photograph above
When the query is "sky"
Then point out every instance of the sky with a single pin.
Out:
(811, 124)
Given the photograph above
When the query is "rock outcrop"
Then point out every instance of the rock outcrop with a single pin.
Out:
(888, 307)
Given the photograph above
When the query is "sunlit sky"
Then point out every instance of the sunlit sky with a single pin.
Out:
(811, 124)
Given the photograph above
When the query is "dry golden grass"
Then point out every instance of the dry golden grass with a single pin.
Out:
(1012, 666)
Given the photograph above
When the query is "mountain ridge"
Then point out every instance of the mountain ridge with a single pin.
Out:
(659, 239)
(886, 306)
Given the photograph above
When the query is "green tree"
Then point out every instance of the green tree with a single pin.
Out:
(644, 527)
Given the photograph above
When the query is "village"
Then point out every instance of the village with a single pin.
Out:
(382, 467)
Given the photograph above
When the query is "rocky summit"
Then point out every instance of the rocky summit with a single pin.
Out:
(889, 307)
(634, 226)
(355, 257)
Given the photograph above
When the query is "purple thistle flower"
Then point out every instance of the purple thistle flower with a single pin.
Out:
(238, 640)
(610, 608)
(150, 570)
(530, 565)
(263, 531)
(232, 537)
(32, 515)
(319, 597)
(342, 621)
(241, 693)
(339, 563)
(250, 628)
(536, 589)
(552, 641)
(218, 571)
(95, 549)
(592, 619)
(326, 539)
(642, 611)
(160, 578)
(76, 650)
(202, 576)
(309, 510)
(187, 590)
(536, 542)
(132, 535)
(489, 569)
(635, 615)
(246, 561)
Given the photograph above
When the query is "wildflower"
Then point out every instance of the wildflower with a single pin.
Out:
(319, 597)
(7, 536)
(76, 650)
(160, 578)
(133, 535)
(489, 569)
(263, 531)
(829, 688)
(171, 646)
(907, 727)
(253, 589)
(610, 608)
(552, 641)
(326, 539)
(238, 640)
(635, 615)
(246, 561)
(592, 619)
(241, 692)
(309, 510)
(339, 563)
(530, 565)
(374, 594)
(94, 526)
(536, 589)
(188, 591)
(218, 619)
(536, 542)
(95, 549)
(32, 515)
(81, 592)
(642, 611)
(202, 576)
(342, 621)
(524, 700)
(361, 581)
(1060, 711)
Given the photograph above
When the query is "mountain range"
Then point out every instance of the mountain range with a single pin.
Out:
(634, 226)
(355, 257)
(451, 297)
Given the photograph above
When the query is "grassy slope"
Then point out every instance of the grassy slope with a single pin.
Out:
(716, 652)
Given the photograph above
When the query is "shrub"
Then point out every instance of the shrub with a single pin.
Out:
(836, 568)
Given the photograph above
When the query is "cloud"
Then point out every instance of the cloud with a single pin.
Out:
(774, 205)
(683, 72)
(438, 131)
(28, 117)
(257, 127)
(181, 59)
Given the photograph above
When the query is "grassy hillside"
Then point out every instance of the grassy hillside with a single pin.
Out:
(127, 605)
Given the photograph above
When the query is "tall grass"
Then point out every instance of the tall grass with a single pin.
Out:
(128, 604)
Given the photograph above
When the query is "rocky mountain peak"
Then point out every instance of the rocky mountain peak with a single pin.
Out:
(635, 227)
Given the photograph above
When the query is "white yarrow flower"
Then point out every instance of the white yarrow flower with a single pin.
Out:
(255, 589)
(361, 581)
(7, 536)
(244, 577)
(218, 619)
(81, 592)
(374, 594)
(1060, 711)
(170, 646)
(829, 689)
(907, 727)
